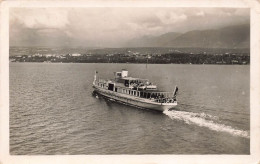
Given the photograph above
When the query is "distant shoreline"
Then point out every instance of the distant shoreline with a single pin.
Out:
(132, 55)
(226, 59)
(125, 63)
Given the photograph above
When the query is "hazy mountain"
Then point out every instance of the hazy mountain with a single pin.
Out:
(228, 37)
(153, 41)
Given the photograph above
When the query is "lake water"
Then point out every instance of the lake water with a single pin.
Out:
(52, 111)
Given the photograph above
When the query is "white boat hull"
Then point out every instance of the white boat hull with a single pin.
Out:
(134, 100)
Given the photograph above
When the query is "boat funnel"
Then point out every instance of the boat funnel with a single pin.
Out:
(124, 73)
(95, 77)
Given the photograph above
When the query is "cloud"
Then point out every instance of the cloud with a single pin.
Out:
(171, 17)
(40, 17)
(200, 13)
(111, 27)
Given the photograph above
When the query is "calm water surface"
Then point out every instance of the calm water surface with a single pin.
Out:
(52, 111)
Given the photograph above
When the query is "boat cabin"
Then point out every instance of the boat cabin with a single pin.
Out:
(134, 83)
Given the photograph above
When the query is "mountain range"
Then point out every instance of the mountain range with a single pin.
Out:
(237, 36)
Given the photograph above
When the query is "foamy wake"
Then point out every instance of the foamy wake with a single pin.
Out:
(205, 120)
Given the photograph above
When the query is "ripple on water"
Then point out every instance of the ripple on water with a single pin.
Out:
(52, 111)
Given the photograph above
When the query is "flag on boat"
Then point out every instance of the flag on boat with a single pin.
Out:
(175, 91)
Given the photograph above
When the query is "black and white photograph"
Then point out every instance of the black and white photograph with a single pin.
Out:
(131, 80)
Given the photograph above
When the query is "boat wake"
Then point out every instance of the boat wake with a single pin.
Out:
(205, 120)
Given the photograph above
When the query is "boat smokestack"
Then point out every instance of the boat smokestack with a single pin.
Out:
(124, 73)
(95, 77)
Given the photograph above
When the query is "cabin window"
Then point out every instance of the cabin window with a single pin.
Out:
(129, 92)
(115, 89)
(126, 83)
(141, 94)
(111, 87)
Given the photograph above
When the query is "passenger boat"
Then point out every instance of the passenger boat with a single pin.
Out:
(134, 92)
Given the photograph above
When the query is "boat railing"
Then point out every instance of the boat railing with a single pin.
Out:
(154, 95)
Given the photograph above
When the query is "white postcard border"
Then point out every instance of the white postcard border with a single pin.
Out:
(254, 156)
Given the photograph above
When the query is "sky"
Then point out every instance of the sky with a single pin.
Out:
(112, 27)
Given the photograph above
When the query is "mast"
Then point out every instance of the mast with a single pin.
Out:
(146, 62)
(148, 57)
